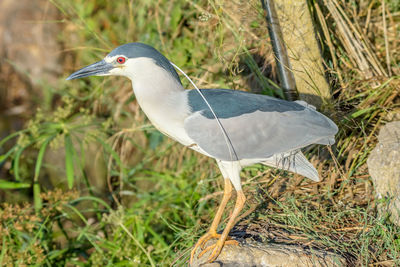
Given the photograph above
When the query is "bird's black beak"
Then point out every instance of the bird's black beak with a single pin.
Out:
(100, 68)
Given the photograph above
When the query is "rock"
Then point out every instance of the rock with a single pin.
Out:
(384, 168)
(30, 55)
(29, 60)
(28, 35)
(270, 255)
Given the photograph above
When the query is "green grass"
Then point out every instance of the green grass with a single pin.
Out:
(140, 199)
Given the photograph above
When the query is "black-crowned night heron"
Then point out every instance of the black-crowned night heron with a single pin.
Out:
(250, 128)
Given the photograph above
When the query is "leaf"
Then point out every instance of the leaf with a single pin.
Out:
(3, 250)
(109, 149)
(57, 253)
(13, 185)
(5, 156)
(361, 112)
(36, 197)
(176, 15)
(16, 162)
(69, 160)
(36, 187)
(95, 199)
(4, 140)
(40, 158)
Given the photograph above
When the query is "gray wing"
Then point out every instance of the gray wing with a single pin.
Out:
(257, 126)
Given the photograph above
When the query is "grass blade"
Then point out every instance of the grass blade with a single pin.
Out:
(16, 161)
(4, 140)
(13, 185)
(8, 154)
(36, 187)
(109, 149)
(69, 160)
(94, 199)
(3, 250)
(40, 158)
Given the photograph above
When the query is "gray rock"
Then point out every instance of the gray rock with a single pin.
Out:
(270, 255)
(384, 168)
(28, 38)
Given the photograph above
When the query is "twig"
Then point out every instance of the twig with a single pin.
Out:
(383, 263)
(386, 38)
(338, 167)
(210, 196)
(325, 30)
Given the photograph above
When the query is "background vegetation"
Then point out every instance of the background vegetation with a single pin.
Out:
(87, 181)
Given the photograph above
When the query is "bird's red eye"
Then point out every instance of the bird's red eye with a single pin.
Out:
(121, 60)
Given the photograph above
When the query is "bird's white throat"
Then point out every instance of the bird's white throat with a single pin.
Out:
(161, 97)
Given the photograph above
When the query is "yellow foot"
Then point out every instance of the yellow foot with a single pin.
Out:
(217, 247)
(202, 241)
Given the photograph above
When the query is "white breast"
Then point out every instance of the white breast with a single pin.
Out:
(161, 97)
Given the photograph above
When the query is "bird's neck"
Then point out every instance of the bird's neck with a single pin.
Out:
(150, 81)
(156, 89)
(160, 95)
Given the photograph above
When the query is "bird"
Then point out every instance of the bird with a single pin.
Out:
(236, 128)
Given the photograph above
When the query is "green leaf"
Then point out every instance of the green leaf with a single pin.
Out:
(109, 149)
(56, 253)
(95, 199)
(13, 185)
(40, 158)
(36, 187)
(5, 156)
(176, 15)
(3, 250)
(361, 112)
(16, 161)
(69, 160)
(4, 140)
(36, 197)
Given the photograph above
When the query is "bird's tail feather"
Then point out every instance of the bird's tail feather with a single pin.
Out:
(295, 162)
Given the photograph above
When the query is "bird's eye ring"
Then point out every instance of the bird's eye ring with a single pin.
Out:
(121, 60)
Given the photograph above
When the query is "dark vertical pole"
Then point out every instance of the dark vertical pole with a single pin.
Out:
(285, 74)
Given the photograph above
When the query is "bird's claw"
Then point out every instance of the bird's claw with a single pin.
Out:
(202, 241)
(217, 247)
(207, 237)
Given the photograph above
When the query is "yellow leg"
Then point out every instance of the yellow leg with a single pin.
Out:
(217, 247)
(212, 232)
